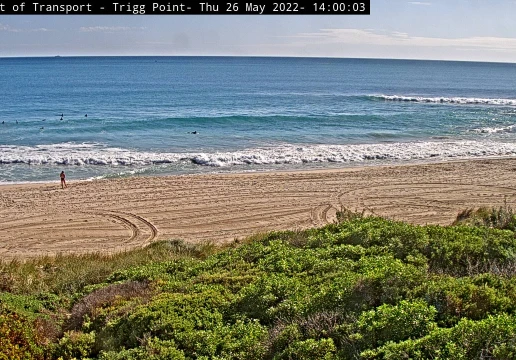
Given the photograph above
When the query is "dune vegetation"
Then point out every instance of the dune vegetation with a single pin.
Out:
(362, 288)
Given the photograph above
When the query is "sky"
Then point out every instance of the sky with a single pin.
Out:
(469, 30)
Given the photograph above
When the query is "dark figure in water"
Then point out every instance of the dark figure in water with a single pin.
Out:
(17, 121)
(61, 118)
(194, 132)
(62, 115)
(86, 115)
(3, 122)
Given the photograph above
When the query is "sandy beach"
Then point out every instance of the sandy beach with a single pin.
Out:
(120, 214)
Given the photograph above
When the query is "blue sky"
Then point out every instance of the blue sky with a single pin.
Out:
(475, 30)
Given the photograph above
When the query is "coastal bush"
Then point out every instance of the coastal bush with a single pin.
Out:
(364, 287)
(491, 338)
(502, 217)
(398, 238)
(19, 338)
(150, 349)
(384, 325)
(323, 349)
(468, 297)
(395, 322)
(193, 322)
(74, 345)
(463, 250)
(270, 297)
(92, 305)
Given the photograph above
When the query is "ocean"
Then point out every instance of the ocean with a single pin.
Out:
(131, 116)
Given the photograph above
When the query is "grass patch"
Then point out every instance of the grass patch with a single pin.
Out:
(68, 274)
(502, 217)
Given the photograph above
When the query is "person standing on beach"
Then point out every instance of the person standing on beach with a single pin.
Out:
(63, 181)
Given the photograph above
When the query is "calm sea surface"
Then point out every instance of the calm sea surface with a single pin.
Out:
(126, 116)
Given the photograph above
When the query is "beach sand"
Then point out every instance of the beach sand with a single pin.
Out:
(121, 214)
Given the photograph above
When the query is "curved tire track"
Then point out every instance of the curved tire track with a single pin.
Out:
(153, 229)
(319, 214)
(136, 228)
(405, 200)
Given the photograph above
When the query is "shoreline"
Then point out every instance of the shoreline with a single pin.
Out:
(339, 167)
(111, 215)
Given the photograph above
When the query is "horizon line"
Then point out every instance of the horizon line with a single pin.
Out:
(260, 56)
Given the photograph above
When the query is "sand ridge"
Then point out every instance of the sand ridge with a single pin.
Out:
(120, 214)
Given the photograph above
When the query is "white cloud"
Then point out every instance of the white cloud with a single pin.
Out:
(9, 28)
(370, 37)
(109, 28)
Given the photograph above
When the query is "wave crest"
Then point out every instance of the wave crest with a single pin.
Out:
(496, 130)
(99, 155)
(447, 100)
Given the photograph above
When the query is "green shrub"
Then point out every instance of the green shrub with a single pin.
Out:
(366, 287)
(270, 297)
(310, 349)
(150, 349)
(111, 295)
(396, 322)
(502, 217)
(469, 297)
(75, 345)
(18, 338)
(463, 251)
(493, 337)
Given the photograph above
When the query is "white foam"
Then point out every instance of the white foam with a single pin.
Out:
(79, 154)
(448, 100)
(495, 130)
(118, 174)
(99, 155)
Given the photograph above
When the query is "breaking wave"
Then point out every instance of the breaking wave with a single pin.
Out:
(99, 155)
(447, 100)
(496, 130)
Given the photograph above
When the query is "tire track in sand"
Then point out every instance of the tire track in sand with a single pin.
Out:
(153, 229)
(138, 228)
(404, 197)
(319, 214)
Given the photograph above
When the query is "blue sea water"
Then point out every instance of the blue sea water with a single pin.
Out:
(249, 114)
